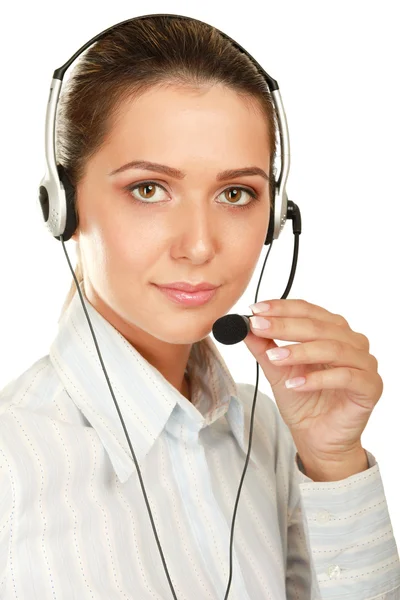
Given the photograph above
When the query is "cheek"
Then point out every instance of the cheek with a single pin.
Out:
(129, 256)
(129, 239)
(115, 253)
(246, 244)
(244, 265)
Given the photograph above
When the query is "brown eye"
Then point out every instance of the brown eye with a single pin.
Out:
(148, 190)
(236, 194)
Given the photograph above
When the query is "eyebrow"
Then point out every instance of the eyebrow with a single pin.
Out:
(151, 166)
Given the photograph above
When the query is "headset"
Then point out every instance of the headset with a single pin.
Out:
(57, 202)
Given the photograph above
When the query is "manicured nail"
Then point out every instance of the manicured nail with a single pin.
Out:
(277, 353)
(295, 382)
(260, 307)
(259, 322)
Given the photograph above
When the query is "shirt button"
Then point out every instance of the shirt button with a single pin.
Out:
(323, 516)
(333, 571)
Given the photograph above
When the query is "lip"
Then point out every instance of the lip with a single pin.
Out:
(185, 286)
(188, 298)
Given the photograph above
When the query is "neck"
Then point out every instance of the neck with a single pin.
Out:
(169, 359)
(186, 387)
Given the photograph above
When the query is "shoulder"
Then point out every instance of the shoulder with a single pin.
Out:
(36, 414)
(28, 402)
(21, 399)
(32, 389)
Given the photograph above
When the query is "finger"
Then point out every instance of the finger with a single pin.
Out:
(301, 308)
(364, 386)
(305, 330)
(331, 352)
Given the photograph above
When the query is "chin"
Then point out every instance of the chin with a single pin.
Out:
(185, 334)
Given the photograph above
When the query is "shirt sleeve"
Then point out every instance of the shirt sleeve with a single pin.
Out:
(340, 540)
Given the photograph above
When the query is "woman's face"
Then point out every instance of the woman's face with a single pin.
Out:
(191, 228)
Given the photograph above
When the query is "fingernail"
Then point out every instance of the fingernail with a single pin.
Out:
(259, 322)
(277, 353)
(295, 382)
(260, 307)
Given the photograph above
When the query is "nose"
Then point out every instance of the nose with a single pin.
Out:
(196, 235)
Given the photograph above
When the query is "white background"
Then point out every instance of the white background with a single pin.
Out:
(337, 67)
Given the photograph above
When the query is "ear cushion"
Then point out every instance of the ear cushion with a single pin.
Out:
(71, 222)
(270, 232)
(271, 224)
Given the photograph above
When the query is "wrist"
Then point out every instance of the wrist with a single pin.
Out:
(335, 467)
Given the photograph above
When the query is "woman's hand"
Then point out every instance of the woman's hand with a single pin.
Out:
(326, 415)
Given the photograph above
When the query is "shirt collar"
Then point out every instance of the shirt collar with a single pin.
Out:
(145, 398)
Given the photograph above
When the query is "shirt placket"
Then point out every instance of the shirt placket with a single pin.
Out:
(208, 524)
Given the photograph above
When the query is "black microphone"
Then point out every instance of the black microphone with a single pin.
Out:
(231, 329)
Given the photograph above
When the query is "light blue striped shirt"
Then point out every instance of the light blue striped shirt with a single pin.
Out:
(73, 521)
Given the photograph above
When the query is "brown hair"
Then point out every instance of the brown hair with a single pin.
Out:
(128, 61)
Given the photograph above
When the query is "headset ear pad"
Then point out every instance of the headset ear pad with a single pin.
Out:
(71, 222)
(271, 225)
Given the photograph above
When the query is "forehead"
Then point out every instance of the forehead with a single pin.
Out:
(203, 121)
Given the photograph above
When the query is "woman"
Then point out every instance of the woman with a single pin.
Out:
(151, 117)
